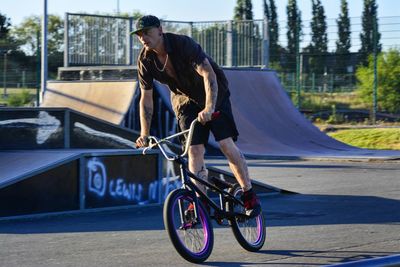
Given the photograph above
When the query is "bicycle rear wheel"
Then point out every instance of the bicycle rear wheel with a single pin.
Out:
(249, 232)
(192, 238)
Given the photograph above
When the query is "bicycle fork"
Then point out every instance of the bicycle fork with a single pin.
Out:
(195, 199)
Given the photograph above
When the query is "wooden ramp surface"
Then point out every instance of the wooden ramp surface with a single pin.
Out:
(106, 100)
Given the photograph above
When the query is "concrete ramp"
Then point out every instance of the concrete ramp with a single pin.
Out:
(271, 126)
(106, 100)
(267, 120)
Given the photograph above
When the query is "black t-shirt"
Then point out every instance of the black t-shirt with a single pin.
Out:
(184, 54)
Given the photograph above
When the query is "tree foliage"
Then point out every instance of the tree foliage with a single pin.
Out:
(26, 34)
(319, 36)
(5, 25)
(5, 38)
(243, 10)
(293, 30)
(294, 26)
(318, 47)
(367, 36)
(273, 28)
(388, 81)
(343, 44)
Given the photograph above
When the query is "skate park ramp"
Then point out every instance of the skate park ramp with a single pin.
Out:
(106, 100)
(271, 126)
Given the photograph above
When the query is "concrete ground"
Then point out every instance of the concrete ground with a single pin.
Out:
(343, 211)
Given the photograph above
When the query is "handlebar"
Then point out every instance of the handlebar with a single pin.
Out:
(154, 141)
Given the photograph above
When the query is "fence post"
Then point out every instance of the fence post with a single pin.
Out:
(191, 29)
(129, 42)
(229, 44)
(6, 52)
(298, 88)
(265, 50)
(313, 82)
(38, 56)
(66, 40)
(375, 88)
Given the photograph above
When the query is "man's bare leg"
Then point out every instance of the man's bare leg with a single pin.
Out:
(197, 165)
(237, 163)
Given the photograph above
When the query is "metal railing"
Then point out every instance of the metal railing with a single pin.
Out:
(105, 40)
(96, 40)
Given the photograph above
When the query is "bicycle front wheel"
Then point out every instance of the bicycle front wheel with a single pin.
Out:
(192, 237)
(249, 232)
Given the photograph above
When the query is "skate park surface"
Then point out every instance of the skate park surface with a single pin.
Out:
(341, 211)
(343, 206)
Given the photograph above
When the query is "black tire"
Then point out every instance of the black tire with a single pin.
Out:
(249, 232)
(194, 240)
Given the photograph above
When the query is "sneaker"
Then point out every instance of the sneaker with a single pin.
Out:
(252, 204)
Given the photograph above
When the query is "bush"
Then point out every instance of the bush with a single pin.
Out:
(388, 91)
(20, 99)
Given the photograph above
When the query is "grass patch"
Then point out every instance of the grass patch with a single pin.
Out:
(17, 97)
(325, 101)
(377, 138)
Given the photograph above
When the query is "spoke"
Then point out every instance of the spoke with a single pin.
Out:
(193, 239)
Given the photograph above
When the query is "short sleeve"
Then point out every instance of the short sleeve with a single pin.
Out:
(144, 76)
(192, 51)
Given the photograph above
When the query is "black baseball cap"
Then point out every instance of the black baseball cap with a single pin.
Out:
(146, 22)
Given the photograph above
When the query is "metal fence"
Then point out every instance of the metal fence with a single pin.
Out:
(105, 40)
(96, 40)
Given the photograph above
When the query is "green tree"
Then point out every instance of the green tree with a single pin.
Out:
(243, 10)
(369, 23)
(343, 44)
(5, 38)
(318, 47)
(5, 25)
(293, 32)
(27, 33)
(273, 28)
(388, 82)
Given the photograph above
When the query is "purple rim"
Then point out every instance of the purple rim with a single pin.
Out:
(203, 223)
(259, 230)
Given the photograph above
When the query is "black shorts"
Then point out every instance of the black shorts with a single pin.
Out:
(222, 127)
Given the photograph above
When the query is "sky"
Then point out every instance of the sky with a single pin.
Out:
(219, 10)
(182, 10)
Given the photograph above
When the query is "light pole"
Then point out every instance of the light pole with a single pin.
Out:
(44, 51)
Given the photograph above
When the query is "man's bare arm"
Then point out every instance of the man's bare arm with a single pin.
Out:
(146, 114)
(210, 87)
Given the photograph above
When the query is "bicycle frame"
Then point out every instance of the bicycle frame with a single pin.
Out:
(185, 174)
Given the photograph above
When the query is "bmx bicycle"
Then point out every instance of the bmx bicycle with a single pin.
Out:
(185, 213)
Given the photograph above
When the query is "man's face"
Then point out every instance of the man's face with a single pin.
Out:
(150, 38)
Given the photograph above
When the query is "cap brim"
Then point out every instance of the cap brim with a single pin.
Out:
(139, 30)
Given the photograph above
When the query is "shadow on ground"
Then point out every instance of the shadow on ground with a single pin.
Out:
(283, 210)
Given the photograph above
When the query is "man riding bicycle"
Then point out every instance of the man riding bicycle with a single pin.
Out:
(198, 89)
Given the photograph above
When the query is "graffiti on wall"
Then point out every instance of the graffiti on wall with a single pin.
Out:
(122, 188)
(102, 186)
